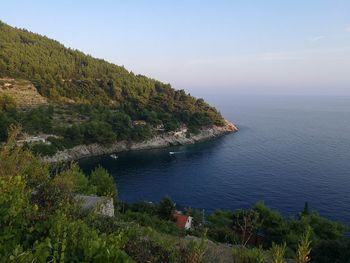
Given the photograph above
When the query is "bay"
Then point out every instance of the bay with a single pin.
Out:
(289, 150)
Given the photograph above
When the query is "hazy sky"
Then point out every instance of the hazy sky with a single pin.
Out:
(246, 46)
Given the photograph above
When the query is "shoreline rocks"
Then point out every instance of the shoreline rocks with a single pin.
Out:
(159, 141)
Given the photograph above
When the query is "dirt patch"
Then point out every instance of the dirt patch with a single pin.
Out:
(23, 92)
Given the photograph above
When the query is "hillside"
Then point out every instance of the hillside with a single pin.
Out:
(72, 99)
(23, 92)
(60, 73)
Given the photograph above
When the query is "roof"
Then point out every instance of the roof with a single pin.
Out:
(181, 219)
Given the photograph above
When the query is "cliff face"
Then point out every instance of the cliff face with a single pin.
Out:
(160, 141)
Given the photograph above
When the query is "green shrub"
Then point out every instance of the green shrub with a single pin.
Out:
(194, 251)
(249, 255)
(278, 252)
(304, 247)
(103, 182)
(144, 219)
(44, 149)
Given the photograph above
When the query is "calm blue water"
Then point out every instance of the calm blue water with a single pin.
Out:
(289, 150)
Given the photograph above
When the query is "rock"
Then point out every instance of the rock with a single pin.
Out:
(102, 204)
(159, 141)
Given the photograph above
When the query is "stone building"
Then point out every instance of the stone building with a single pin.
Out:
(103, 205)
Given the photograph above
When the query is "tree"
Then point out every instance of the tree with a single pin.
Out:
(141, 132)
(5, 122)
(98, 131)
(104, 182)
(273, 225)
(306, 210)
(246, 223)
(121, 124)
(221, 226)
(166, 208)
(74, 134)
(7, 103)
(323, 228)
(327, 251)
(81, 183)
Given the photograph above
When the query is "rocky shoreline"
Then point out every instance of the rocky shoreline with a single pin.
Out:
(159, 141)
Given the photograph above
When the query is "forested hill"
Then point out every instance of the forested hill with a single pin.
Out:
(66, 75)
(77, 99)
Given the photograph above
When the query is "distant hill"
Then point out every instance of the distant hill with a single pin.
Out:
(65, 75)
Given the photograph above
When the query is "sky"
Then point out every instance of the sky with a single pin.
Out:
(234, 46)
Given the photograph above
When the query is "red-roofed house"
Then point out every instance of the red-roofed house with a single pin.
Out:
(182, 221)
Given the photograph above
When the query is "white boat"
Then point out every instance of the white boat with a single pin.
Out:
(171, 153)
(114, 156)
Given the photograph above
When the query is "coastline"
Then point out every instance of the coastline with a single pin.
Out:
(159, 141)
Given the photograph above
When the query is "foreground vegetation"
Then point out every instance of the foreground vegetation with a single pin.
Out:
(41, 221)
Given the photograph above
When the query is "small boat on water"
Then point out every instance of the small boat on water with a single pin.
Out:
(114, 156)
(171, 153)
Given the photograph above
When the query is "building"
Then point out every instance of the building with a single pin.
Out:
(33, 139)
(103, 205)
(139, 122)
(182, 221)
(41, 138)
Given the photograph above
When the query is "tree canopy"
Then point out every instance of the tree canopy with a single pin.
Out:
(65, 75)
(90, 100)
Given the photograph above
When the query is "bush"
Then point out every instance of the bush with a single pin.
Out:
(246, 255)
(143, 207)
(141, 132)
(331, 251)
(7, 103)
(44, 149)
(165, 208)
(221, 227)
(104, 182)
(154, 222)
(194, 251)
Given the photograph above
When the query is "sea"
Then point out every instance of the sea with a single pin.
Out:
(289, 150)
